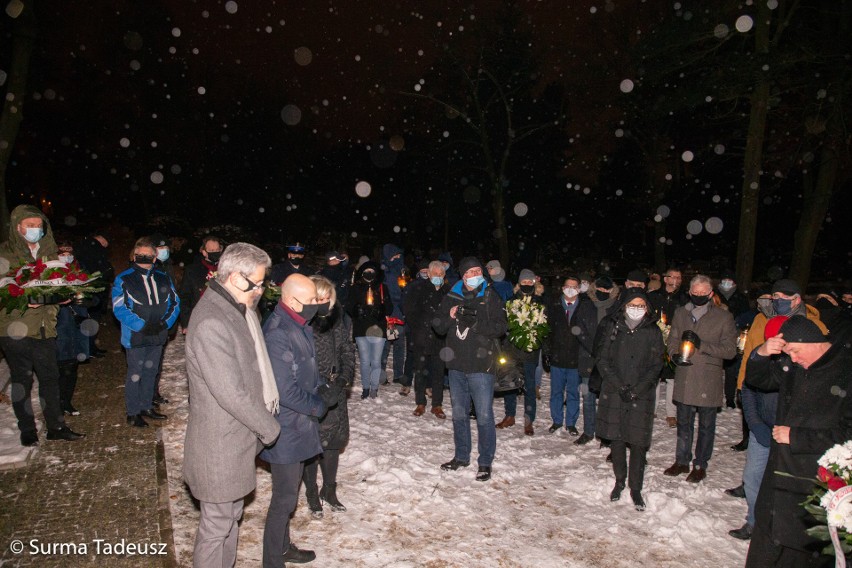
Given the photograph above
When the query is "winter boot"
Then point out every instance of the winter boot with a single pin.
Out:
(67, 384)
(374, 393)
(616, 491)
(313, 498)
(328, 493)
(365, 393)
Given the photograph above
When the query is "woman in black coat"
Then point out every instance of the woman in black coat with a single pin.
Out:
(629, 363)
(369, 304)
(335, 355)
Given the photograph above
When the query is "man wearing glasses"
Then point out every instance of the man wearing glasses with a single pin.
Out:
(665, 300)
(304, 398)
(232, 400)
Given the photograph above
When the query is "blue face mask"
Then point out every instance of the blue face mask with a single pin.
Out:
(163, 254)
(436, 280)
(782, 307)
(34, 234)
(474, 282)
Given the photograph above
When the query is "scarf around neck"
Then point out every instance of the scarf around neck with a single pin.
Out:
(267, 376)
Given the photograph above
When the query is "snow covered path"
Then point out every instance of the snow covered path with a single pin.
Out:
(546, 505)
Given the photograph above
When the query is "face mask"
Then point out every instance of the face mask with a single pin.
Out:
(296, 262)
(143, 259)
(369, 276)
(765, 307)
(570, 291)
(213, 257)
(601, 296)
(782, 307)
(474, 282)
(635, 313)
(309, 311)
(584, 287)
(436, 280)
(34, 234)
(726, 285)
(527, 289)
(323, 309)
(698, 301)
(423, 275)
(66, 258)
(163, 254)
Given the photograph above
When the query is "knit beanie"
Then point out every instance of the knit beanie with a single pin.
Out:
(526, 274)
(799, 329)
(467, 263)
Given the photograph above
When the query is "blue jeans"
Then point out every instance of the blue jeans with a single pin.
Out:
(510, 399)
(398, 346)
(143, 364)
(564, 383)
(706, 434)
(590, 407)
(756, 458)
(370, 352)
(539, 370)
(479, 388)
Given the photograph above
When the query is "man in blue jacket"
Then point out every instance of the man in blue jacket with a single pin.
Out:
(144, 300)
(303, 399)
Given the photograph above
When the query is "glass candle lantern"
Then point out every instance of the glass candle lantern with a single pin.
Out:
(689, 345)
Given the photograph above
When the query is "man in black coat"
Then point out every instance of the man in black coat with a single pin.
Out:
(472, 317)
(420, 303)
(295, 264)
(814, 413)
(196, 275)
(665, 300)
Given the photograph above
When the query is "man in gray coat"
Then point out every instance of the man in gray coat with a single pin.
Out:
(698, 388)
(232, 399)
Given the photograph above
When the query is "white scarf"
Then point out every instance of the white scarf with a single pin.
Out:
(267, 377)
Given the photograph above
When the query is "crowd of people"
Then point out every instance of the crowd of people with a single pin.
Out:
(272, 377)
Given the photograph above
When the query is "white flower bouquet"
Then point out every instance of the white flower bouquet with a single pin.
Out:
(527, 323)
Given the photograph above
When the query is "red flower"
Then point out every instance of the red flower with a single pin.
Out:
(15, 291)
(836, 483)
(71, 277)
(824, 475)
(82, 277)
(20, 278)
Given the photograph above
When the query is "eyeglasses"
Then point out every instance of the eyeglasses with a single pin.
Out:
(252, 284)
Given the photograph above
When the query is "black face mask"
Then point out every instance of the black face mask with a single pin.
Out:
(369, 276)
(213, 257)
(323, 309)
(698, 301)
(527, 289)
(143, 259)
(601, 296)
(309, 311)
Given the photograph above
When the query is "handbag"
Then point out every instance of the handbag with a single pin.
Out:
(509, 375)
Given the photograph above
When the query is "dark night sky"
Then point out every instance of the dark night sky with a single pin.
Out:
(271, 112)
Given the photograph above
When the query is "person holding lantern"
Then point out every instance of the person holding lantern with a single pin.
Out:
(701, 338)
(368, 305)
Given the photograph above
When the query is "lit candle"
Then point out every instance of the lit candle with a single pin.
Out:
(686, 349)
(663, 318)
(369, 296)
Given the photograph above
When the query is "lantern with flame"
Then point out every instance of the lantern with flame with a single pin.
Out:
(689, 345)
(663, 318)
(741, 340)
(369, 296)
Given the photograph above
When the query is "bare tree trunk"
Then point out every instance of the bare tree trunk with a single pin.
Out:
(814, 207)
(23, 38)
(752, 164)
(500, 224)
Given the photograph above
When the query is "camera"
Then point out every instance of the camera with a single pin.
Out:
(466, 311)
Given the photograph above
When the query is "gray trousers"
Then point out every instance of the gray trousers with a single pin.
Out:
(286, 479)
(218, 531)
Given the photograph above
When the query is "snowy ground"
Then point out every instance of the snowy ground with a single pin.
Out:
(546, 505)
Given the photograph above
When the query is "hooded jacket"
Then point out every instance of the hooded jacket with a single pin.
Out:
(393, 270)
(369, 320)
(40, 322)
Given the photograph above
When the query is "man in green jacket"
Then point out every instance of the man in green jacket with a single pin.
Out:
(28, 337)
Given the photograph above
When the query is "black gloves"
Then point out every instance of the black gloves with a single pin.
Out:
(329, 393)
(466, 320)
(154, 327)
(626, 393)
(545, 363)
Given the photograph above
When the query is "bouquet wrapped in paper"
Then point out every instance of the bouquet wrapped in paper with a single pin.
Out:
(527, 323)
(831, 501)
(45, 282)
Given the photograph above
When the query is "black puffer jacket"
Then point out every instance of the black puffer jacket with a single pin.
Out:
(420, 302)
(335, 351)
(369, 320)
(629, 358)
(472, 344)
